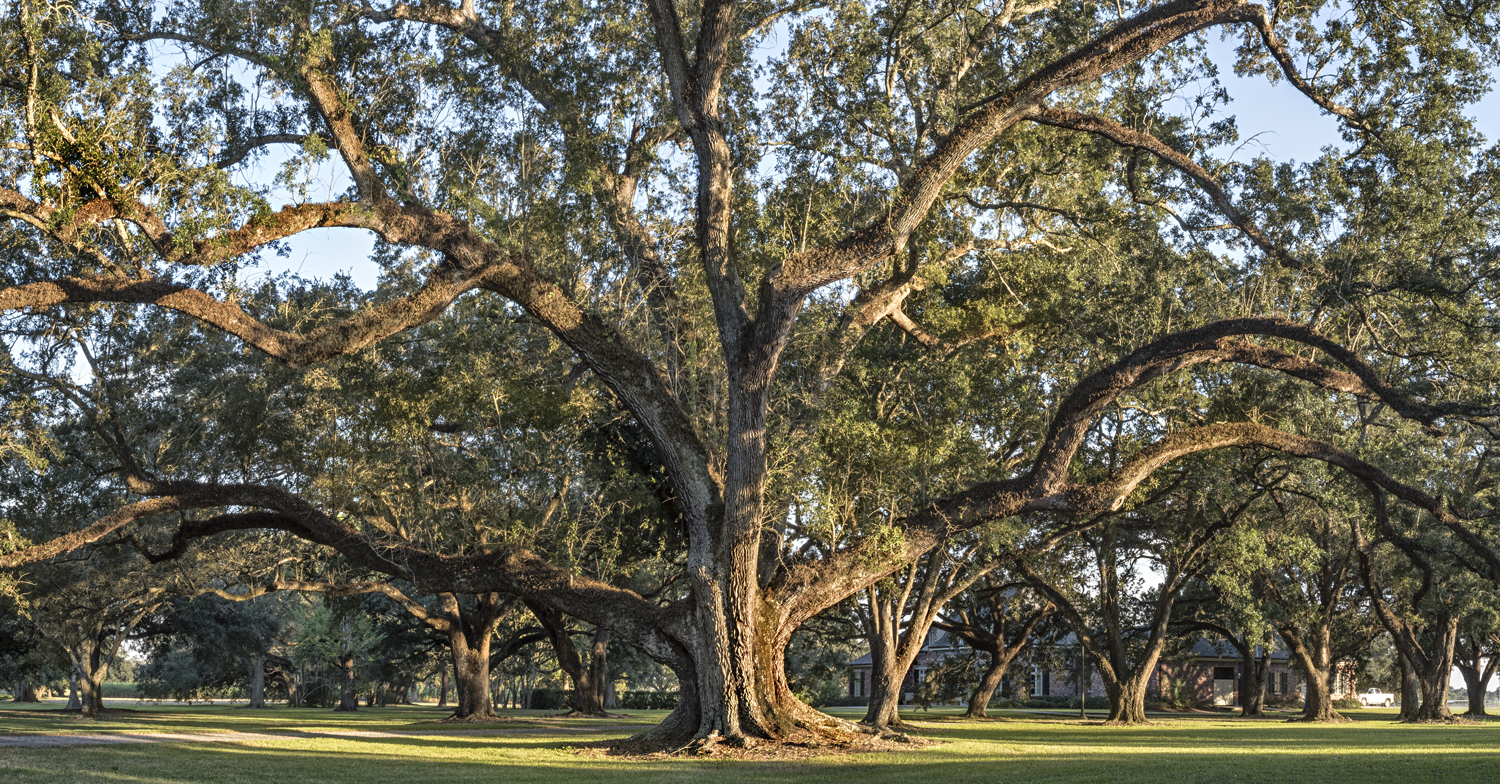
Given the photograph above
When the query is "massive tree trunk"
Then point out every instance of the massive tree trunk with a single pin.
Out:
(887, 676)
(1433, 675)
(1127, 698)
(471, 670)
(1315, 659)
(91, 682)
(470, 631)
(257, 681)
(1318, 701)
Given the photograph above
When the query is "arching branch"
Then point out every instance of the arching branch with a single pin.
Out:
(433, 620)
(1126, 137)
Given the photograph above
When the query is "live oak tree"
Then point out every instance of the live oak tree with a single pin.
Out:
(1311, 589)
(1477, 655)
(1001, 619)
(712, 230)
(1120, 622)
(1221, 609)
(898, 616)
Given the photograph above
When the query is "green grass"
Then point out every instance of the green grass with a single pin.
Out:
(1017, 748)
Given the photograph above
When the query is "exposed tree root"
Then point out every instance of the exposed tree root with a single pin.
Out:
(479, 718)
(600, 715)
(1336, 718)
(1459, 719)
(799, 745)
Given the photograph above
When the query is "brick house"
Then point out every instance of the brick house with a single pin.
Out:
(1210, 675)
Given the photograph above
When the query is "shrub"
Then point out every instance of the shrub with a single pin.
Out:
(549, 699)
(646, 700)
(1094, 703)
(1347, 702)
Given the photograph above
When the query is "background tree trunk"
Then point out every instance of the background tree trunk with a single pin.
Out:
(588, 692)
(1411, 691)
(1318, 701)
(1253, 688)
(994, 675)
(471, 668)
(886, 682)
(257, 681)
(1476, 682)
(25, 692)
(348, 700)
(73, 702)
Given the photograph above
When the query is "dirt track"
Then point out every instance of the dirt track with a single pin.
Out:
(109, 739)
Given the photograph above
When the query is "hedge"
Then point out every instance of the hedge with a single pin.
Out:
(558, 699)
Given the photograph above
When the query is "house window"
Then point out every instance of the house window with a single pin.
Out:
(1041, 682)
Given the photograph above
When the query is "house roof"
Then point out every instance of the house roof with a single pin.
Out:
(937, 640)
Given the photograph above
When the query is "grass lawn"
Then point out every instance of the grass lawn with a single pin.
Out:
(1016, 748)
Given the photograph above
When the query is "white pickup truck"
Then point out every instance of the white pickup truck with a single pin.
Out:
(1376, 697)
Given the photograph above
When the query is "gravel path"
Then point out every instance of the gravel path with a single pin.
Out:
(111, 739)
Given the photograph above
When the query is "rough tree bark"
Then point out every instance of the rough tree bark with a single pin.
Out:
(1315, 658)
(470, 630)
(1257, 668)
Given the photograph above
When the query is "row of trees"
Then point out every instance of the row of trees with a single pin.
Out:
(695, 323)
